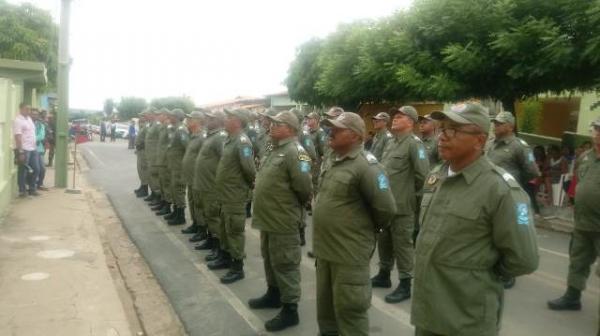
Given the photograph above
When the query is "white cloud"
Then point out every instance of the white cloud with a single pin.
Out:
(209, 50)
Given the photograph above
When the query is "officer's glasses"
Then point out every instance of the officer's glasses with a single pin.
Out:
(450, 132)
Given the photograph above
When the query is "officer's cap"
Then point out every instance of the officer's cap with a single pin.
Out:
(334, 112)
(299, 114)
(164, 110)
(408, 111)
(269, 112)
(288, 118)
(220, 115)
(427, 117)
(466, 114)
(155, 111)
(313, 115)
(198, 114)
(241, 114)
(382, 116)
(177, 113)
(348, 120)
(504, 117)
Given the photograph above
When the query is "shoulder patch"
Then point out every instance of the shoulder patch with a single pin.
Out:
(382, 181)
(507, 177)
(302, 154)
(522, 214)
(371, 158)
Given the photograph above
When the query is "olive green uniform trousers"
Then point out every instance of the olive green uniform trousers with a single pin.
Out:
(343, 298)
(142, 167)
(211, 215)
(195, 205)
(583, 252)
(396, 243)
(164, 177)
(422, 332)
(281, 258)
(232, 233)
(177, 187)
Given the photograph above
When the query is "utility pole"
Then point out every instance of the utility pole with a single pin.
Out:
(62, 125)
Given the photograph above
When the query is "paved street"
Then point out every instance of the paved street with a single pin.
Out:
(208, 308)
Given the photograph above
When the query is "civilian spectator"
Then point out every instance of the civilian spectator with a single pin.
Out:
(131, 134)
(102, 130)
(40, 139)
(25, 151)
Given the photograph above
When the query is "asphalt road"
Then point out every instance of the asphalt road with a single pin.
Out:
(208, 308)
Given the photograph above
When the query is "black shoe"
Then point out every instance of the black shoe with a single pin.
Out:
(235, 273)
(179, 217)
(223, 262)
(136, 191)
(271, 299)
(199, 236)
(143, 192)
(401, 293)
(302, 236)
(509, 283)
(34, 193)
(165, 210)
(157, 205)
(287, 317)
(571, 300)
(311, 254)
(171, 214)
(249, 210)
(382, 279)
(191, 229)
(208, 244)
(150, 198)
(214, 254)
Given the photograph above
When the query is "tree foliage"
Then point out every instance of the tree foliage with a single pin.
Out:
(454, 49)
(109, 107)
(184, 103)
(130, 107)
(29, 34)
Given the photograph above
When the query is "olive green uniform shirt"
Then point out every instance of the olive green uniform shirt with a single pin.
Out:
(178, 140)
(140, 139)
(380, 140)
(515, 156)
(189, 158)
(263, 140)
(235, 172)
(354, 202)
(406, 163)
(477, 227)
(305, 140)
(430, 144)
(283, 186)
(151, 142)
(205, 165)
(319, 139)
(587, 194)
(161, 147)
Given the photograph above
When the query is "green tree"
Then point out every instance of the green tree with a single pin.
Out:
(109, 107)
(29, 34)
(130, 107)
(304, 73)
(184, 103)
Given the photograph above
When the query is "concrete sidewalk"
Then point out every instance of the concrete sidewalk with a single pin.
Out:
(56, 277)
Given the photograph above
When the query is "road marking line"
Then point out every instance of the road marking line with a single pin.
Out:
(92, 154)
(390, 310)
(564, 255)
(553, 280)
(251, 319)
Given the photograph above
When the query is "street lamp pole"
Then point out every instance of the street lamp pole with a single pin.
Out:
(62, 125)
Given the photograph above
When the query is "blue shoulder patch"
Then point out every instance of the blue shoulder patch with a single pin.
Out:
(247, 151)
(382, 181)
(522, 214)
(422, 155)
(531, 157)
(304, 166)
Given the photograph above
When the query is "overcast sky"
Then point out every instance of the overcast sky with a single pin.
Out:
(208, 50)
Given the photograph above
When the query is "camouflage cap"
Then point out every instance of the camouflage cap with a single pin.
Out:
(270, 112)
(164, 110)
(334, 112)
(313, 115)
(348, 120)
(504, 117)
(155, 111)
(287, 118)
(219, 115)
(177, 113)
(427, 117)
(299, 114)
(195, 115)
(409, 111)
(241, 114)
(382, 116)
(466, 114)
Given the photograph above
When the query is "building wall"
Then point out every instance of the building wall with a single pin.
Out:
(11, 94)
(586, 114)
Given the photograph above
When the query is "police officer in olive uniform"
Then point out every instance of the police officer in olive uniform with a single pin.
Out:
(194, 126)
(164, 175)
(585, 239)
(406, 163)
(382, 135)
(142, 166)
(513, 155)
(319, 140)
(178, 140)
(353, 204)
(150, 147)
(205, 170)
(263, 140)
(477, 229)
(234, 179)
(427, 130)
(283, 186)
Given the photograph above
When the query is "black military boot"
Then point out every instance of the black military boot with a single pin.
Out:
(248, 209)
(302, 232)
(271, 299)
(191, 229)
(222, 262)
(200, 235)
(401, 293)
(157, 204)
(172, 214)
(235, 273)
(287, 317)
(382, 279)
(143, 191)
(136, 191)
(165, 210)
(179, 217)
(153, 196)
(209, 243)
(215, 252)
(571, 300)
